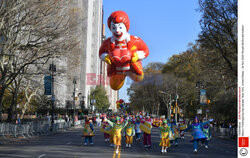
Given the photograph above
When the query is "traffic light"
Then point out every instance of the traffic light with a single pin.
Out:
(208, 101)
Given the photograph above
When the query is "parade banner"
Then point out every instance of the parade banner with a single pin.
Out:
(199, 111)
(146, 127)
(87, 131)
(176, 131)
(156, 123)
(47, 85)
(203, 97)
(182, 127)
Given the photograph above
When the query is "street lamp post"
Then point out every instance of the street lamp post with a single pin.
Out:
(169, 104)
(52, 68)
(176, 106)
(199, 86)
(83, 102)
(74, 102)
(92, 102)
(176, 103)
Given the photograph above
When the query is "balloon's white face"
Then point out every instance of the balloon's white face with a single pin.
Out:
(118, 30)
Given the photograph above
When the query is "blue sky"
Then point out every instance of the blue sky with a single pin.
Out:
(166, 26)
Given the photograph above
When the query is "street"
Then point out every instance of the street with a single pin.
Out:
(69, 144)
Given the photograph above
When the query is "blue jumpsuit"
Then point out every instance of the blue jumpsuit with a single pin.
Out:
(197, 133)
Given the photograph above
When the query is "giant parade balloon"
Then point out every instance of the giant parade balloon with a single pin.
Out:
(122, 52)
(120, 103)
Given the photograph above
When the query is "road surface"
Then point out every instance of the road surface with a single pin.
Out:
(69, 144)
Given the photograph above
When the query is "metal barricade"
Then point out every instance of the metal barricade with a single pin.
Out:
(229, 132)
(31, 130)
(26, 128)
(19, 131)
(9, 130)
(45, 128)
(2, 130)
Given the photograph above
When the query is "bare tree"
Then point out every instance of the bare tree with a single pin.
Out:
(32, 32)
(218, 38)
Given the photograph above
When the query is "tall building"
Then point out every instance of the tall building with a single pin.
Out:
(83, 64)
(113, 95)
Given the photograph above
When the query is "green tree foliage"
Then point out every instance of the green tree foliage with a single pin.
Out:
(100, 95)
(186, 68)
(218, 53)
(157, 91)
(212, 61)
(145, 95)
(189, 68)
(184, 65)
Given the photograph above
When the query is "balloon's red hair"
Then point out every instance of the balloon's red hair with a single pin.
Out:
(119, 17)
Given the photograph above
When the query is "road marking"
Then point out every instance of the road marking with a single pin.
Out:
(41, 155)
(119, 154)
(114, 155)
(68, 143)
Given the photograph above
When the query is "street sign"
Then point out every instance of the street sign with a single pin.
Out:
(203, 97)
(199, 111)
(47, 85)
(181, 110)
(177, 96)
(93, 101)
(208, 101)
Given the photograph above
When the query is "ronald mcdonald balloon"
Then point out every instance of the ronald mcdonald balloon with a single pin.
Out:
(122, 52)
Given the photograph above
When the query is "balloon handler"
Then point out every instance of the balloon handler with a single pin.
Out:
(116, 131)
(88, 132)
(182, 127)
(129, 133)
(146, 126)
(197, 133)
(122, 52)
(175, 131)
(137, 129)
(104, 129)
(172, 137)
(207, 132)
(111, 134)
(164, 135)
